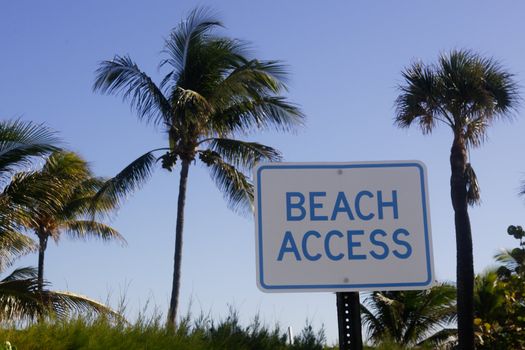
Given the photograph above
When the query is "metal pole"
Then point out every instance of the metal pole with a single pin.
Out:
(349, 321)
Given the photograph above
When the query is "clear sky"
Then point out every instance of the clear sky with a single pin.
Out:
(345, 59)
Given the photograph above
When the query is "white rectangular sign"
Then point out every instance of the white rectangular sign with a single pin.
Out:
(342, 227)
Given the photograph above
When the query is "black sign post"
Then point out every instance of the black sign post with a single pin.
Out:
(349, 321)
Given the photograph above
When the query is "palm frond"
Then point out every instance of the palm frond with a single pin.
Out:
(511, 262)
(419, 99)
(244, 155)
(235, 186)
(253, 79)
(373, 325)
(30, 190)
(82, 200)
(20, 141)
(122, 76)
(13, 244)
(208, 62)
(476, 132)
(127, 181)
(20, 299)
(18, 296)
(269, 112)
(429, 310)
(503, 87)
(188, 34)
(446, 336)
(489, 297)
(506, 257)
(21, 273)
(34, 196)
(473, 190)
(64, 304)
(84, 229)
(66, 165)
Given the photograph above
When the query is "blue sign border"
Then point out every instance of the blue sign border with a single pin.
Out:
(370, 286)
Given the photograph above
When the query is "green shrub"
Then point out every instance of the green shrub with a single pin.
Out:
(84, 333)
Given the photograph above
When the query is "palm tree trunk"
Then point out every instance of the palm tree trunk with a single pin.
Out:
(175, 288)
(41, 255)
(465, 260)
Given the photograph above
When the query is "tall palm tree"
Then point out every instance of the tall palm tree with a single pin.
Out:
(66, 206)
(467, 93)
(212, 92)
(410, 318)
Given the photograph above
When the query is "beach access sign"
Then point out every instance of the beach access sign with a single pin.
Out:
(342, 227)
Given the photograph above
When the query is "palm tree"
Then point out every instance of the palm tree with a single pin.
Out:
(20, 297)
(410, 318)
(66, 206)
(467, 93)
(20, 142)
(211, 93)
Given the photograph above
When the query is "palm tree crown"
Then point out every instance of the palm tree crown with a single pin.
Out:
(67, 205)
(212, 92)
(409, 317)
(464, 91)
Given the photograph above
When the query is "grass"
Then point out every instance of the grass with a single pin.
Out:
(84, 332)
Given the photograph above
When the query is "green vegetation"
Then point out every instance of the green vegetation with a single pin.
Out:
(410, 318)
(212, 93)
(202, 333)
(467, 93)
(499, 300)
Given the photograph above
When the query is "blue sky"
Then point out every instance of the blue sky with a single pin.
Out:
(345, 60)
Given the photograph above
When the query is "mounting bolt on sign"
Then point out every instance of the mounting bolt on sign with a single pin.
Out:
(336, 227)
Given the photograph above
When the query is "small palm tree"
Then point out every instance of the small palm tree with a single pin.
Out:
(467, 93)
(410, 318)
(66, 206)
(211, 93)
